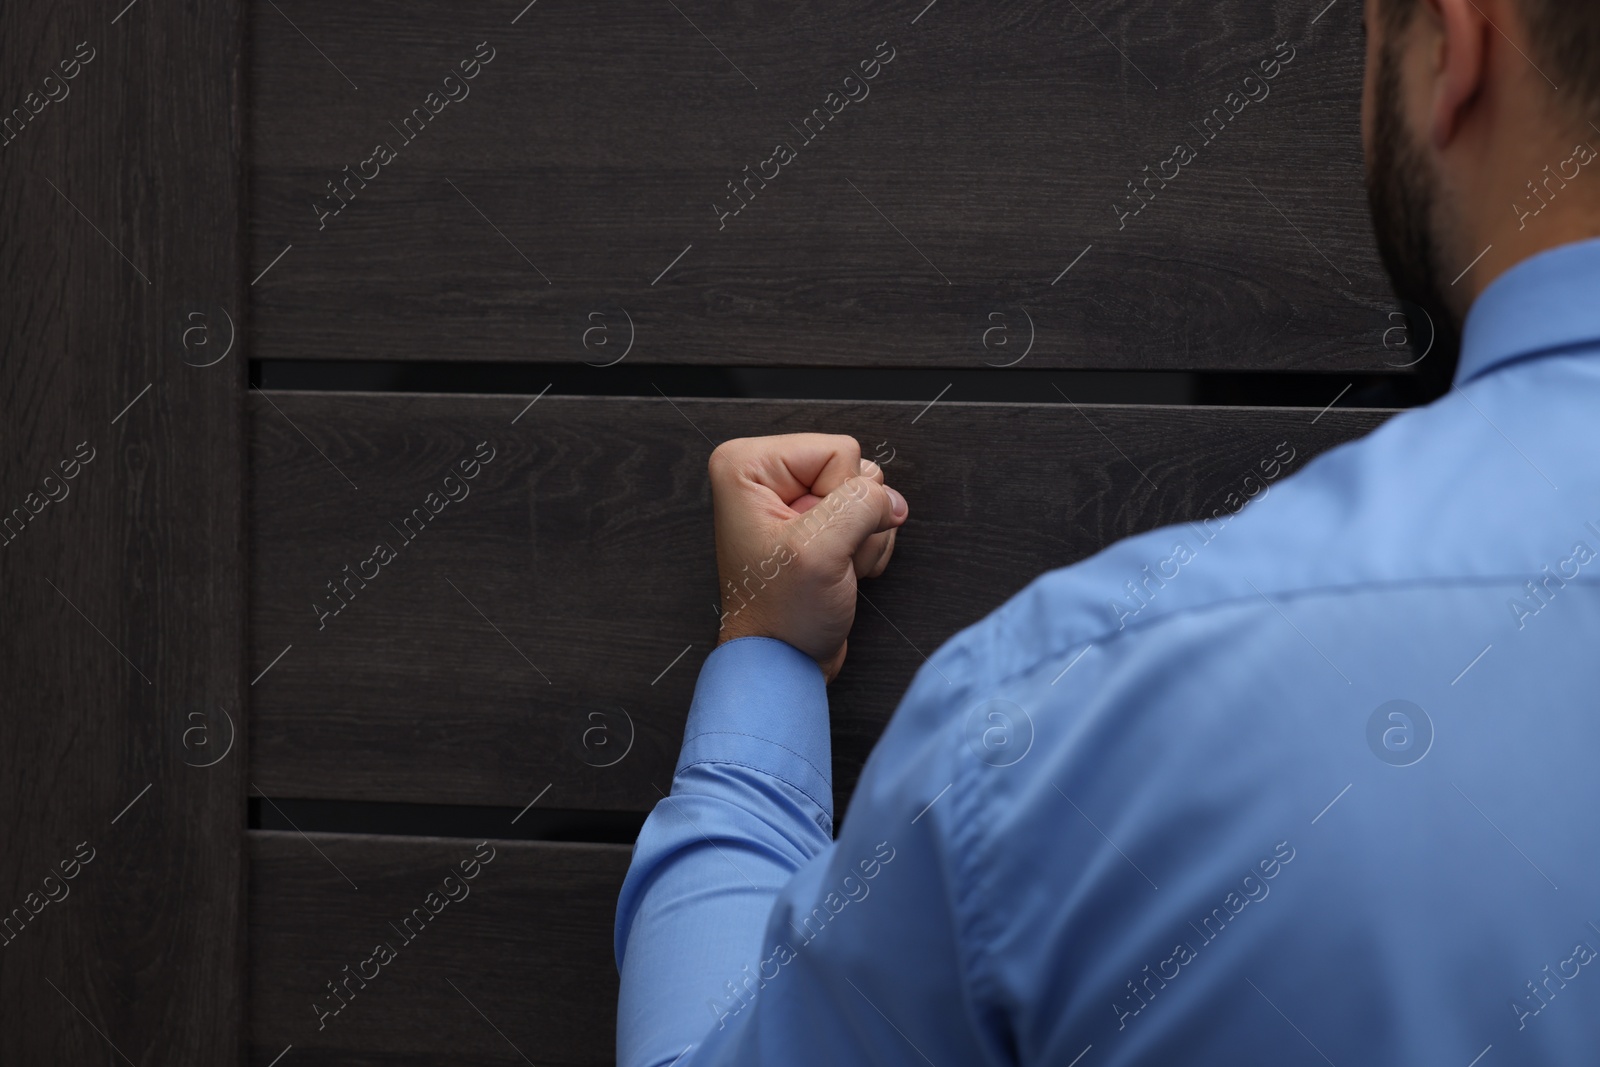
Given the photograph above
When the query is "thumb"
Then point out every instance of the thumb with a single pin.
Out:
(853, 512)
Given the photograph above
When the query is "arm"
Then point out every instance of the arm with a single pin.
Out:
(748, 808)
(735, 884)
(747, 938)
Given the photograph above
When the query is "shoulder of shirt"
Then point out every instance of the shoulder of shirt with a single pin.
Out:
(1427, 497)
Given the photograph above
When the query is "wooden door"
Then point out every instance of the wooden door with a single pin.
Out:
(433, 538)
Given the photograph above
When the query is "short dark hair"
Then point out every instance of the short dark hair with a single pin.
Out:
(1564, 36)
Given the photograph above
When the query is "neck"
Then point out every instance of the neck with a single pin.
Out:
(1534, 195)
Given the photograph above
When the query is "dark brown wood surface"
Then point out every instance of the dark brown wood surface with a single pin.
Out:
(122, 572)
(542, 215)
(577, 577)
(539, 640)
(513, 966)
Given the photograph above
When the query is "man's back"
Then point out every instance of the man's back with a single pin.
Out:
(1306, 784)
(1328, 780)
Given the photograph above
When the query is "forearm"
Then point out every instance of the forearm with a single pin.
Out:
(750, 803)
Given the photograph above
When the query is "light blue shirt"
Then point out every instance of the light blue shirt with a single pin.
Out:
(1313, 783)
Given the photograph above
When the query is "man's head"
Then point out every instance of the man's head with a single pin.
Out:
(1473, 119)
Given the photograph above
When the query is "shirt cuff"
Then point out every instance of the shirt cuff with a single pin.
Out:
(761, 703)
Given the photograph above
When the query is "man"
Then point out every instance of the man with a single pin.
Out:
(1330, 798)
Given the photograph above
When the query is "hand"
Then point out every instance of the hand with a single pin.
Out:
(799, 518)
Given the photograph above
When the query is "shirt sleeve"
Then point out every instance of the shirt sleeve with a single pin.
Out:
(745, 935)
(751, 801)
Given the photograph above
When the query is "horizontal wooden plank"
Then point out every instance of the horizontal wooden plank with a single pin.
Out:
(546, 628)
(508, 966)
(565, 205)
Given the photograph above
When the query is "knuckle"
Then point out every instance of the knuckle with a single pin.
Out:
(722, 457)
(866, 489)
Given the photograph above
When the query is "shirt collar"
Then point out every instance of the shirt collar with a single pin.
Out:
(1549, 301)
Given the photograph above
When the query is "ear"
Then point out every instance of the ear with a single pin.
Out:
(1459, 65)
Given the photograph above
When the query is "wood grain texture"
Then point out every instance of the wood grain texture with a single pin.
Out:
(122, 626)
(580, 566)
(510, 967)
(978, 166)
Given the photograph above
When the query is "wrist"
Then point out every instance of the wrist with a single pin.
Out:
(742, 618)
(733, 628)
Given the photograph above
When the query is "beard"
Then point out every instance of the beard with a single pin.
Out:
(1402, 192)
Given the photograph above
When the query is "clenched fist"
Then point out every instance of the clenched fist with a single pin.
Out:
(799, 519)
